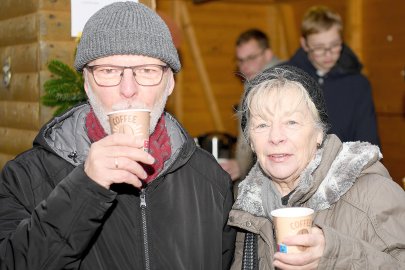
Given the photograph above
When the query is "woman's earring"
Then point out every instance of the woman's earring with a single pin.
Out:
(318, 145)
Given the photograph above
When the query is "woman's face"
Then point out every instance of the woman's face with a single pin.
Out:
(284, 135)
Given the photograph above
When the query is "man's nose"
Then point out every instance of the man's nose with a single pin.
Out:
(128, 86)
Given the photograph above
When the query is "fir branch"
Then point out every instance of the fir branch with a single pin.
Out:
(65, 90)
(62, 70)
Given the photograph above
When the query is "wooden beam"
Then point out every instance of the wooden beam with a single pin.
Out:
(178, 93)
(23, 88)
(14, 140)
(19, 30)
(354, 26)
(15, 114)
(149, 3)
(278, 33)
(203, 74)
(288, 26)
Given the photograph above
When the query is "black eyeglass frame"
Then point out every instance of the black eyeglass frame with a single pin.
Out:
(91, 69)
(250, 58)
(323, 50)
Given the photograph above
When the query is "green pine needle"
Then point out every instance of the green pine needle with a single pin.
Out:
(64, 90)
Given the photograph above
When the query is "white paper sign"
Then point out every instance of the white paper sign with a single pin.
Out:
(81, 11)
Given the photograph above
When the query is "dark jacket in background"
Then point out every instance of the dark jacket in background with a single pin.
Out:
(52, 216)
(348, 97)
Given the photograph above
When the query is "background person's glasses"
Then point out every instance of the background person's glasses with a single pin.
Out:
(249, 58)
(321, 51)
(110, 75)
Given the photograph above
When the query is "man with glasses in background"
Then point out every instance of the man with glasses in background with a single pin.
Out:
(83, 198)
(253, 54)
(337, 69)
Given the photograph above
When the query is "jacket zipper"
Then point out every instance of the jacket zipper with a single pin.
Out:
(144, 228)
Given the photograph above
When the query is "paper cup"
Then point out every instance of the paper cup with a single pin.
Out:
(132, 121)
(291, 221)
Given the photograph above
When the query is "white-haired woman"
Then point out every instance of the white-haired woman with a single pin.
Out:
(359, 220)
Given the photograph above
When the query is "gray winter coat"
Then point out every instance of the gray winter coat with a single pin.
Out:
(359, 208)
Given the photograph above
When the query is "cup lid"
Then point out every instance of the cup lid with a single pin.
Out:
(292, 212)
(129, 110)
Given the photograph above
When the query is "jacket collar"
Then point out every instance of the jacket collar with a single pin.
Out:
(321, 185)
(56, 136)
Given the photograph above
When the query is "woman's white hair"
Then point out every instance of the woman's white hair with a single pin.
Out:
(276, 80)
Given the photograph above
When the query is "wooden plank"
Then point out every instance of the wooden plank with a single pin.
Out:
(4, 158)
(392, 135)
(177, 100)
(45, 113)
(60, 50)
(212, 105)
(149, 3)
(23, 58)
(386, 37)
(388, 90)
(24, 115)
(288, 21)
(197, 123)
(231, 17)
(14, 141)
(16, 8)
(55, 5)
(278, 39)
(207, 9)
(54, 25)
(354, 22)
(23, 87)
(377, 14)
(18, 30)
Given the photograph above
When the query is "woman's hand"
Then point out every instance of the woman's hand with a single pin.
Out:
(309, 259)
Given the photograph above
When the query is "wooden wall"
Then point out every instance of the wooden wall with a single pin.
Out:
(377, 41)
(209, 32)
(31, 33)
(384, 59)
(205, 102)
(34, 31)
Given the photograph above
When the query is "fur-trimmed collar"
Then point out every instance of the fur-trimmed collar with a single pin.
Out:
(329, 176)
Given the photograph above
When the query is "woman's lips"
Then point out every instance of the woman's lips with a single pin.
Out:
(279, 157)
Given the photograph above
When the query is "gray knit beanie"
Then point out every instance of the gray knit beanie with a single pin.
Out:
(126, 28)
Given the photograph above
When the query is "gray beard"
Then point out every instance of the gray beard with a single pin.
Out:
(157, 112)
(101, 113)
(98, 110)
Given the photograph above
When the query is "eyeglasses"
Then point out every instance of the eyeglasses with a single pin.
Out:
(321, 51)
(249, 58)
(110, 75)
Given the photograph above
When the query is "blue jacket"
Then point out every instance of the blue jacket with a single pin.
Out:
(348, 97)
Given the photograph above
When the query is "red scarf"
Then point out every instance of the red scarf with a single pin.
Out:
(159, 143)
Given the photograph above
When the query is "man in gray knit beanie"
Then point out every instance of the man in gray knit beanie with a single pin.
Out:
(91, 199)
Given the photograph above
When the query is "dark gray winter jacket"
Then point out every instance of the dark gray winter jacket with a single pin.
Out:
(52, 216)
